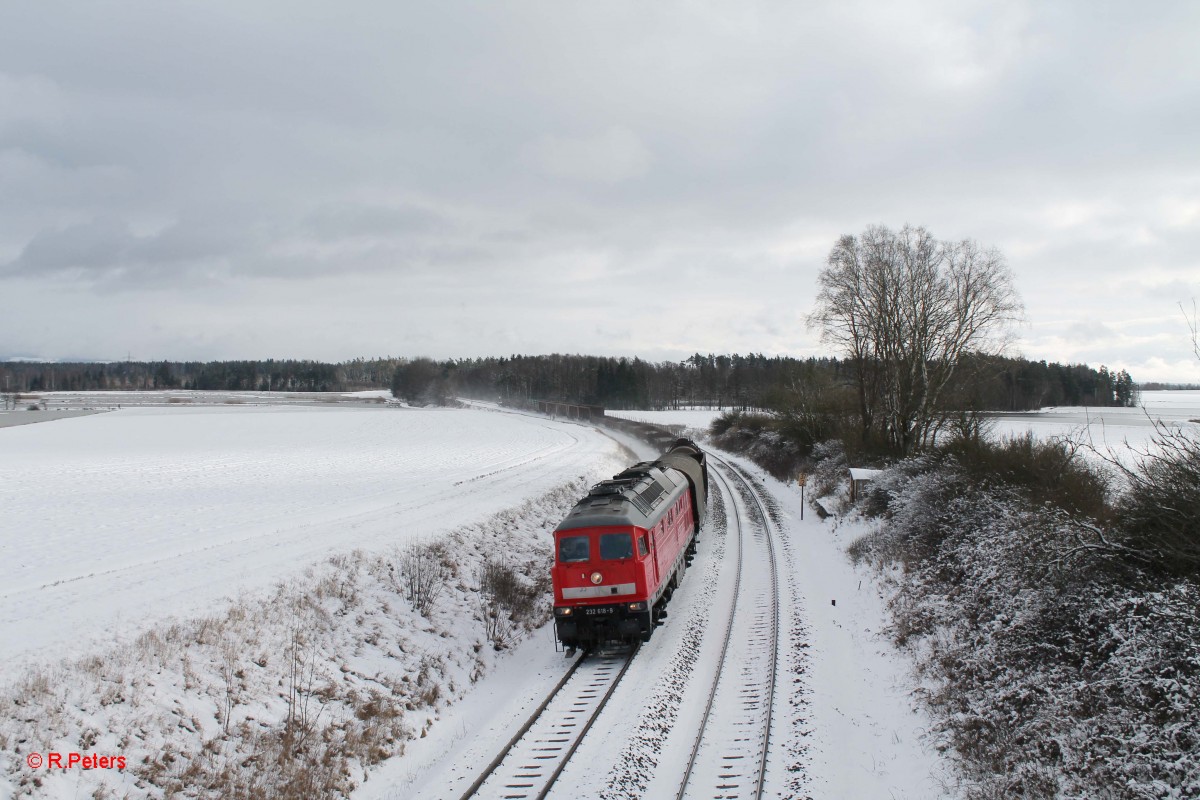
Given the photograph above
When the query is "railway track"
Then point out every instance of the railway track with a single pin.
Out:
(729, 750)
(531, 762)
(729, 754)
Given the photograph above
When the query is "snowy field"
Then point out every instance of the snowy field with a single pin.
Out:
(114, 520)
(1108, 429)
(75, 401)
(1105, 428)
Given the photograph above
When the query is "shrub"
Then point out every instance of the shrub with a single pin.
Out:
(1046, 471)
(506, 599)
(829, 468)
(1056, 669)
(764, 438)
(1159, 515)
(424, 570)
(727, 420)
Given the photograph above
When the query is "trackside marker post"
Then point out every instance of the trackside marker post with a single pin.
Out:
(802, 479)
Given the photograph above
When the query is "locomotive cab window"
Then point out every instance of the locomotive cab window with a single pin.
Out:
(616, 546)
(642, 551)
(573, 548)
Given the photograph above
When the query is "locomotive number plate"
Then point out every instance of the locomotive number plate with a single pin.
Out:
(598, 610)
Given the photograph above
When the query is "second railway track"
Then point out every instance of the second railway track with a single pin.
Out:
(731, 749)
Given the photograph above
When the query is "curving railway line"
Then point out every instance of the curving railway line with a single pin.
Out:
(727, 755)
(730, 753)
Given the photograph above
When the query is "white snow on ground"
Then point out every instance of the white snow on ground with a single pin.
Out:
(114, 520)
(851, 714)
(282, 508)
(473, 730)
(866, 723)
(171, 397)
(1107, 429)
(692, 419)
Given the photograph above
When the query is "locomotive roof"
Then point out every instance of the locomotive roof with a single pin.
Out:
(636, 497)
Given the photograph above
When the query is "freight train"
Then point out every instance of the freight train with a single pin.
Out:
(622, 550)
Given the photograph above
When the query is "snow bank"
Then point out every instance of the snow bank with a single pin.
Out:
(116, 520)
(297, 694)
(1056, 667)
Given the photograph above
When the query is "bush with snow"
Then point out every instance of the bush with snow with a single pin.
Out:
(1057, 664)
(1160, 514)
(764, 438)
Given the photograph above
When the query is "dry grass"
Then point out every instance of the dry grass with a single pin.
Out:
(293, 695)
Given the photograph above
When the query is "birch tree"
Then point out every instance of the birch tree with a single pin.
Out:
(905, 309)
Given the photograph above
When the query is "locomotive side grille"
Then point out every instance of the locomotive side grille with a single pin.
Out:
(650, 492)
(640, 504)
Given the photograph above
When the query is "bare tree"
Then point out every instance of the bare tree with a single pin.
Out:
(304, 703)
(424, 572)
(504, 601)
(906, 308)
(1193, 324)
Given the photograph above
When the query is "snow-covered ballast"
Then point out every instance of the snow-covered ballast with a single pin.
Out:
(623, 549)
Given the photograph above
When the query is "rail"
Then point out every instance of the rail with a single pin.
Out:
(588, 675)
(765, 705)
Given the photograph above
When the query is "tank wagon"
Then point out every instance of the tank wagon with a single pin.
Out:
(623, 549)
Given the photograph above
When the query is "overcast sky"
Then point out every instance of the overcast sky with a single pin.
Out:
(216, 180)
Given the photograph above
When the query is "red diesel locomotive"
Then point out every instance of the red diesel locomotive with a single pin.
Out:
(623, 549)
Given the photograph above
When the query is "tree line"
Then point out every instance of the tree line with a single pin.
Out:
(262, 376)
(718, 381)
(753, 381)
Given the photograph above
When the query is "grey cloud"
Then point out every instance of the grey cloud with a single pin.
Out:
(351, 220)
(1174, 291)
(97, 245)
(105, 249)
(608, 157)
(1089, 331)
(552, 156)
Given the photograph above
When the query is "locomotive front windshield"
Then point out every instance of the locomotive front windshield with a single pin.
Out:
(573, 548)
(615, 546)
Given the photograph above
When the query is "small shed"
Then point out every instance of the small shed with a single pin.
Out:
(860, 477)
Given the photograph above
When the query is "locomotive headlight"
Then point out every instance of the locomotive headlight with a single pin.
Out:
(596, 578)
(637, 606)
(563, 612)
